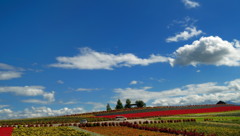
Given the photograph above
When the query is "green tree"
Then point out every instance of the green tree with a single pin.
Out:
(221, 102)
(140, 104)
(128, 104)
(108, 107)
(119, 105)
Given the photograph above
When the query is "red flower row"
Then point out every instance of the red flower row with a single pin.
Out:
(176, 112)
(6, 131)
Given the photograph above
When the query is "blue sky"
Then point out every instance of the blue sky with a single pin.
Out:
(64, 57)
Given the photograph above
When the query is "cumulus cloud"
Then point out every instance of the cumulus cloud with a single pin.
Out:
(188, 33)
(236, 43)
(30, 91)
(38, 112)
(190, 3)
(204, 93)
(90, 59)
(208, 50)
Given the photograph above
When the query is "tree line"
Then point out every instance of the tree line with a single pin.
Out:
(119, 105)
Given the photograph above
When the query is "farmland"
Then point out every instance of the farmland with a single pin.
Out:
(118, 131)
(47, 131)
(194, 120)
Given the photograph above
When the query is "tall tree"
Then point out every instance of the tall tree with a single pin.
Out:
(119, 105)
(108, 107)
(140, 104)
(128, 104)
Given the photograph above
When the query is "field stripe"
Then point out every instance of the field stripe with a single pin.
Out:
(86, 131)
(6, 131)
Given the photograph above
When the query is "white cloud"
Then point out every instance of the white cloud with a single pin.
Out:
(188, 33)
(38, 112)
(5, 111)
(190, 3)
(9, 72)
(68, 102)
(9, 67)
(185, 22)
(6, 75)
(208, 50)
(3, 106)
(37, 101)
(234, 85)
(96, 106)
(87, 89)
(158, 80)
(30, 91)
(236, 43)
(134, 82)
(60, 82)
(136, 94)
(90, 59)
(49, 96)
(187, 95)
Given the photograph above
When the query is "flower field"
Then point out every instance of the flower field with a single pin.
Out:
(47, 131)
(207, 128)
(125, 131)
(193, 120)
(176, 112)
(6, 131)
(153, 109)
(49, 120)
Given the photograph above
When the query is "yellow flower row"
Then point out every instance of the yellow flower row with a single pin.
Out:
(47, 131)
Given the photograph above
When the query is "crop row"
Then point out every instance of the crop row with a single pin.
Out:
(47, 131)
(175, 112)
(137, 125)
(153, 109)
(125, 131)
(6, 131)
(149, 128)
(49, 120)
(201, 127)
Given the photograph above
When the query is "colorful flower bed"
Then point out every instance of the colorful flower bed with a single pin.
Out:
(49, 120)
(199, 127)
(176, 112)
(135, 127)
(153, 109)
(47, 131)
(124, 131)
(6, 131)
